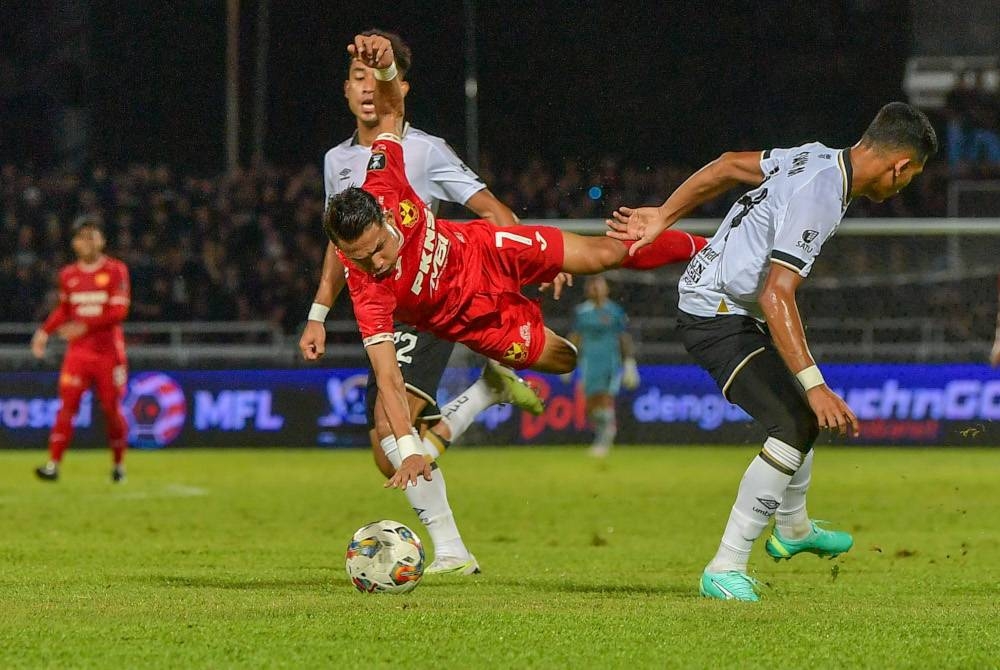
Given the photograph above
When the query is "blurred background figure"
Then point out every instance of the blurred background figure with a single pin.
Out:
(607, 359)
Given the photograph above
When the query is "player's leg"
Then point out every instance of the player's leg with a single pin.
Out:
(72, 384)
(770, 393)
(601, 412)
(422, 359)
(110, 378)
(558, 356)
(586, 255)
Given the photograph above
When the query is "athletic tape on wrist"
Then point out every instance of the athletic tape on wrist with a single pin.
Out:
(408, 446)
(387, 73)
(810, 377)
(318, 312)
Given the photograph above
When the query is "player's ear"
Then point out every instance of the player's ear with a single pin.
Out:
(405, 87)
(900, 166)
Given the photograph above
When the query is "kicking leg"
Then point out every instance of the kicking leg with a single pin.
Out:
(592, 254)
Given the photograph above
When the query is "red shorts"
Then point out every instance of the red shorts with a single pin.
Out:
(500, 322)
(106, 374)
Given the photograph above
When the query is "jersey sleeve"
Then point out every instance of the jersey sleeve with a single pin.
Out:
(374, 304)
(329, 177)
(386, 173)
(60, 314)
(810, 219)
(770, 160)
(449, 177)
(121, 287)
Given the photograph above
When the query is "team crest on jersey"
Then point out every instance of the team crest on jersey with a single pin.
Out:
(102, 279)
(377, 161)
(809, 235)
(516, 353)
(407, 213)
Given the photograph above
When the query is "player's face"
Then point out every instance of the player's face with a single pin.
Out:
(596, 289)
(88, 243)
(897, 177)
(375, 251)
(359, 89)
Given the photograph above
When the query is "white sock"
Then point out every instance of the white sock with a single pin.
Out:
(605, 427)
(430, 501)
(792, 520)
(759, 496)
(463, 408)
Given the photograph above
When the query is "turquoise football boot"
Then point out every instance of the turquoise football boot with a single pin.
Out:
(824, 543)
(730, 585)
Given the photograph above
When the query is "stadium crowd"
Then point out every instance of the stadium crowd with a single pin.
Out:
(249, 245)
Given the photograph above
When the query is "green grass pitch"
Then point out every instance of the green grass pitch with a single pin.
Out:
(235, 559)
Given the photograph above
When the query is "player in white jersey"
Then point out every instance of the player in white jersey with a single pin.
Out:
(436, 174)
(739, 319)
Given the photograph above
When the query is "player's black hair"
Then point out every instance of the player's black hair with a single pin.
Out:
(349, 213)
(400, 50)
(85, 221)
(902, 126)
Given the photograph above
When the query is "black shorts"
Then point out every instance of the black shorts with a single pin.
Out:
(422, 359)
(723, 344)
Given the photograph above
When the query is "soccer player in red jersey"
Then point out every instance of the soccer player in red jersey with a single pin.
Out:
(460, 282)
(94, 295)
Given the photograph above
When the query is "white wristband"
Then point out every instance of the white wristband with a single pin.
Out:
(810, 377)
(386, 73)
(318, 312)
(408, 446)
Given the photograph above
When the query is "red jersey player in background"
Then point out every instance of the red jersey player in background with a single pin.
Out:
(460, 282)
(94, 295)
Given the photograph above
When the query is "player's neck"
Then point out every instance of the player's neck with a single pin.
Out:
(365, 135)
(867, 166)
(92, 264)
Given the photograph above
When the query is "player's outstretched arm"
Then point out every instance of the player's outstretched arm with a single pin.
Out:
(646, 223)
(777, 300)
(312, 344)
(392, 392)
(375, 51)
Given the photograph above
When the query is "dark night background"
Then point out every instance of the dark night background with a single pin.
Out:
(643, 81)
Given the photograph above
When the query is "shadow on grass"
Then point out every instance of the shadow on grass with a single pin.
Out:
(232, 583)
(616, 590)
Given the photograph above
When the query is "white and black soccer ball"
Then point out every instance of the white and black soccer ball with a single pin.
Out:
(385, 557)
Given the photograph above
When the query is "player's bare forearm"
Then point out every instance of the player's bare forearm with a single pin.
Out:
(332, 279)
(725, 172)
(487, 206)
(777, 301)
(391, 389)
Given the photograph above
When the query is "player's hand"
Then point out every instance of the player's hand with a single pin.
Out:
(831, 411)
(71, 330)
(312, 344)
(995, 354)
(38, 343)
(630, 374)
(409, 470)
(372, 50)
(562, 279)
(643, 225)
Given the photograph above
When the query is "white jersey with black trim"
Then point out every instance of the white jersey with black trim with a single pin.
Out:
(433, 169)
(785, 220)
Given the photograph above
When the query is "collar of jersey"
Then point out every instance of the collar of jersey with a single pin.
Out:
(847, 172)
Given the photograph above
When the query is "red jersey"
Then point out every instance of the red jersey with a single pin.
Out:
(98, 296)
(448, 275)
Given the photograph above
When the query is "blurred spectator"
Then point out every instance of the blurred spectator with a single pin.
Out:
(973, 135)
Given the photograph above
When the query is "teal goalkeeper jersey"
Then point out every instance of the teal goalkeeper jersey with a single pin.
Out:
(599, 329)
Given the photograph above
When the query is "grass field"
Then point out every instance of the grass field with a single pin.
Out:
(235, 559)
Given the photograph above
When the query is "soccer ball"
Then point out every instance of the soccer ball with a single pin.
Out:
(385, 556)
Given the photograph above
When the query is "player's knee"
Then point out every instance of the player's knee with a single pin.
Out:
(797, 427)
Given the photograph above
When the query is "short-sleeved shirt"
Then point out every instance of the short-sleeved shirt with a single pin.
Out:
(434, 171)
(600, 328)
(86, 293)
(785, 220)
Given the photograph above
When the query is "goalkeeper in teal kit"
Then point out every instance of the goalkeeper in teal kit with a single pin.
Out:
(606, 359)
